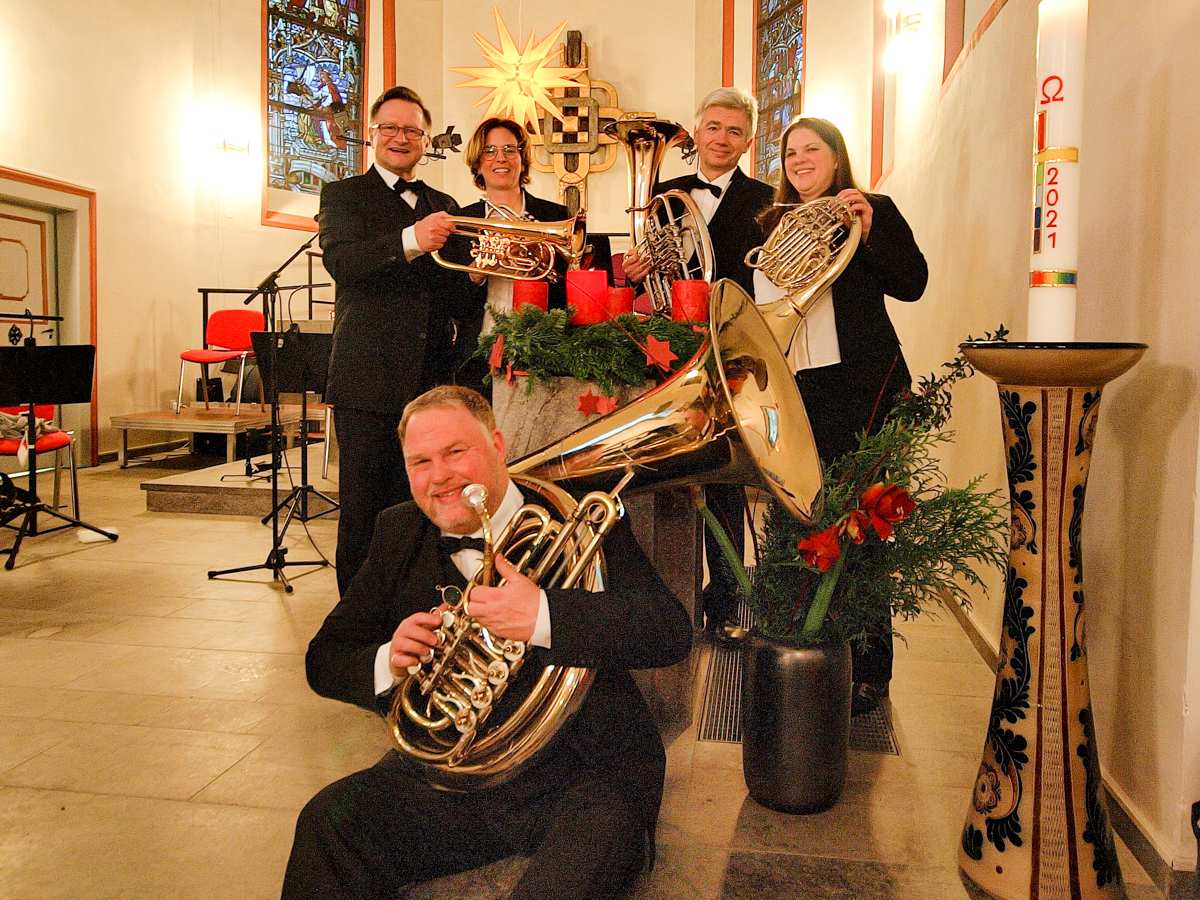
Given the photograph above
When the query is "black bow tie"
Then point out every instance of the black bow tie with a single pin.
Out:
(417, 186)
(695, 183)
(452, 544)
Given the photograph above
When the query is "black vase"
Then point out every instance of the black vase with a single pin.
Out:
(795, 723)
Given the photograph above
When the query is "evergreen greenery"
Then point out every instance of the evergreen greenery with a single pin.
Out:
(543, 345)
(933, 552)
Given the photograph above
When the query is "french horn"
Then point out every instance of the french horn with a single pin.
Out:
(732, 414)
(669, 228)
(809, 248)
(516, 248)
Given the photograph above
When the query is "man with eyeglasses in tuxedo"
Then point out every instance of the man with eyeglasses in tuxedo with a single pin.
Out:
(396, 313)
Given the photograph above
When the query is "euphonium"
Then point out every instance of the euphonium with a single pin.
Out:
(520, 249)
(731, 415)
(669, 228)
(809, 248)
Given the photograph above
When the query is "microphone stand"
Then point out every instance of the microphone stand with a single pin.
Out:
(276, 560)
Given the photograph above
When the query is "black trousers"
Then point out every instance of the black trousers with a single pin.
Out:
(376, 831)
(728, 503)
(371, 478)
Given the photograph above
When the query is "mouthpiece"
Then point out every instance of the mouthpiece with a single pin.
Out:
(475, 496)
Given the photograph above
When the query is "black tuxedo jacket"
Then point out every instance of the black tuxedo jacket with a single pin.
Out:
(635, 623)
(734, 230)
(394, 323)
(857, 394)
(888, 263)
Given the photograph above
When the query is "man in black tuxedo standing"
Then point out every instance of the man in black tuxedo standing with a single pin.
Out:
(730, 201)
(584, 808)
(395, 313)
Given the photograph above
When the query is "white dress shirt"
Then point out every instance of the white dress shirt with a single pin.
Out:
(816, 340)
(468, 562)
(706, 200)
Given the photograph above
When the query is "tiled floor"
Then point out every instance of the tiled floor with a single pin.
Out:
(157, 736)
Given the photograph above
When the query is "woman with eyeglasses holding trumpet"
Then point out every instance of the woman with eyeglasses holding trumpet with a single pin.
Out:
(847, 357)
(499, 158)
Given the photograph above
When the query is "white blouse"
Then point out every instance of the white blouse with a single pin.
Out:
(815, 343)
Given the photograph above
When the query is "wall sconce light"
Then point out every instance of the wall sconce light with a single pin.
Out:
(232, 145)
(903, 26)
(221, 140)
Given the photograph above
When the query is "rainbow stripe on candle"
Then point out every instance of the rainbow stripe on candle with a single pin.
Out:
(1052, 278)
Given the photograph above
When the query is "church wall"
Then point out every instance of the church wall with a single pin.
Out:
(962, 177)
(122, 98)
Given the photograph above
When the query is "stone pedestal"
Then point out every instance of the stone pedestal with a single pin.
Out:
(665, 522)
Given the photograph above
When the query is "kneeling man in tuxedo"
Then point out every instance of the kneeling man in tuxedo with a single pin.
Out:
(585, 807)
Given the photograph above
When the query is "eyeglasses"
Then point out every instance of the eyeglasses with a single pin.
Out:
(508, 151)
(390, 131)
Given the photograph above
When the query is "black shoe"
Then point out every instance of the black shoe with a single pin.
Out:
(866, 696)
(725, 634)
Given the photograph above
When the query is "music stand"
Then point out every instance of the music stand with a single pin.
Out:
(30, 375)
(298, 365)
(276, 560)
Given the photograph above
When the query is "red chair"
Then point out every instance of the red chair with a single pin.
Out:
(229, 330)
(47, 443)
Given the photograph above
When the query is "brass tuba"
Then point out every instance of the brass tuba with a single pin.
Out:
(733, 414)
(809, 248)
(669, 228)
(512, 247)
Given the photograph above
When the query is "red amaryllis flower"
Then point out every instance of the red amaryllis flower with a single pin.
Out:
(856, 525)
(886, 505)
(821, 549)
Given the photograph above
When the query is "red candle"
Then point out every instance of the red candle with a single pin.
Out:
(587, 291)
(689, 300)
(535, 293)
(620, 301)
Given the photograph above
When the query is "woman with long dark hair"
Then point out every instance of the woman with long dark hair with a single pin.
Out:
(847, 358)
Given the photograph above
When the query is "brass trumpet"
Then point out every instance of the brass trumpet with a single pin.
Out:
(520, 249)
(809, 248)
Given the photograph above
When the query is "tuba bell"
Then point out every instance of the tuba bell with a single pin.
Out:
(809, 248)
(513, 247)
(733, 414)
(669, 228)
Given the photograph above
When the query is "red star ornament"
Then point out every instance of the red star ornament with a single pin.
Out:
(658, 353)
(588, 403)
(605, 405)
(496, 357)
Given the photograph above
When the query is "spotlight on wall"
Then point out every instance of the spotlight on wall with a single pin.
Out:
(903, 28)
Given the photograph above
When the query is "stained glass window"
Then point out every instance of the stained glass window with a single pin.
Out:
(314, 62)
(779, 74)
